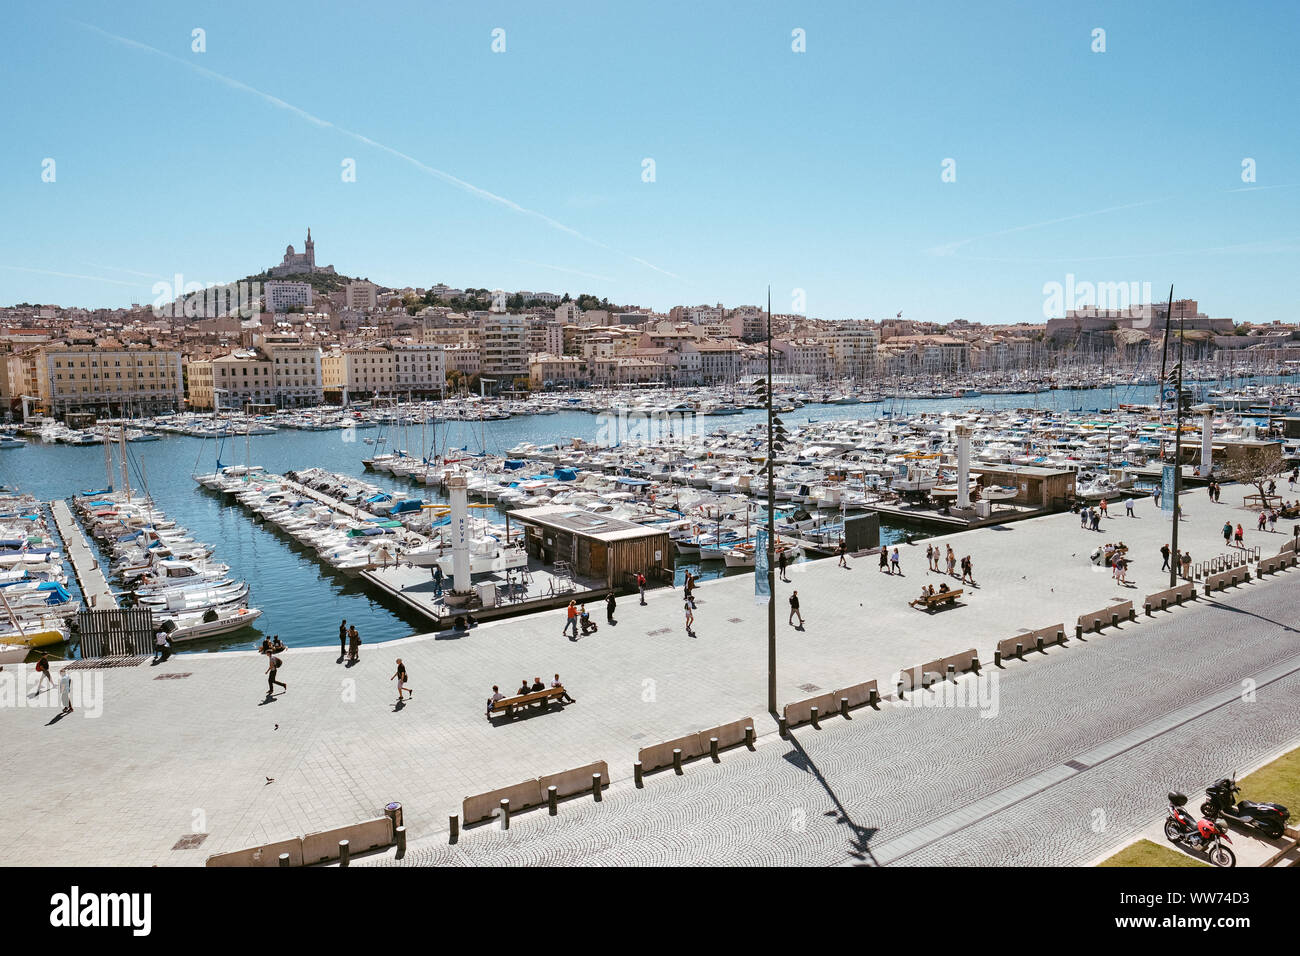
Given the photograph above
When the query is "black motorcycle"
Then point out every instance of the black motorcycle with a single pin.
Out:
(1268, 818)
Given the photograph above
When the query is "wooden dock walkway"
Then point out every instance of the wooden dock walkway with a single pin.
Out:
(90, 577)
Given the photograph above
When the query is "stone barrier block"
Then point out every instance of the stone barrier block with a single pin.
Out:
(800, 712)
(362, 837)
(267, 855)
(569, 782)
(729, 735)
(858, 694)
(521, 796)
(661, 755)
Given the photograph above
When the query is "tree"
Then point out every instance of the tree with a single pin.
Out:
(1257, 467)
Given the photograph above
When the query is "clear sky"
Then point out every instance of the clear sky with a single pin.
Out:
(523, 169)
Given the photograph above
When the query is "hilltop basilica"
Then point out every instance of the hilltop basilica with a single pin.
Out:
(300, 263)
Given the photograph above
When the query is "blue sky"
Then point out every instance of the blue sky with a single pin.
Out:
(818, 171)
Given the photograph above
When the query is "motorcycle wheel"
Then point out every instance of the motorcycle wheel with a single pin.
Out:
(1207, 809)
(1222, 856)
(1172, 831)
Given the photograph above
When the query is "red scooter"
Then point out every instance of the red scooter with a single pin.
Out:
(1200, 836)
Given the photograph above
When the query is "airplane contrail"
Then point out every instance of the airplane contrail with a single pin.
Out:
(375, 144)
(71, 275)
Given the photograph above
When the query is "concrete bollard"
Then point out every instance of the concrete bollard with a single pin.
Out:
(900, 691)
(552, 800)
(637, 777)
(749, 737)
(952, 671)
(844, 707)
(595, 787)
(1078, 632)
(997, 658)
(782, 728)
(1038, 645)
(453, 828)
(284, 859)
(812, 717)
(505, 813)
(1020, 651)
(345, 852)
(975, 665)
(713, 749)
(677, 760)
(873, 698)
(400, 833)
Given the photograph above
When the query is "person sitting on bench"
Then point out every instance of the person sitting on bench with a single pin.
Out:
(537, 685)
(565, 696)
(523, 688)
(496, 696)
(943, 588)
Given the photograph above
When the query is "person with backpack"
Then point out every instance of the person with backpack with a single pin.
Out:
(794, 608)
(400, 676)
(272, 668)
(43, 668)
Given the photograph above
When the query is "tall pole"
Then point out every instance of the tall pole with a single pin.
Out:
(771, 525)
(1178, 436)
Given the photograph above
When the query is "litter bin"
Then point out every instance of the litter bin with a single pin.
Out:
(394, 812)
(487, 594)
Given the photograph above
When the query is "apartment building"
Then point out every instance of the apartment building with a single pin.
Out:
(545, 336)
(122, 379)
(805, 357)
(367, 370)
(463, 359)
(361, 295)
(850, 350)
(504, 348)
(719, 361)
(547, 370)
(297, 378)
(282, 296)
(421, 369)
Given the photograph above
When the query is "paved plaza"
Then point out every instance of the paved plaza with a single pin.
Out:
(191, 745)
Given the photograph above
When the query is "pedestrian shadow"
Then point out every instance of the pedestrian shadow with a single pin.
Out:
(860, 836)
(55, 719)
(268, 699)
(399, 707)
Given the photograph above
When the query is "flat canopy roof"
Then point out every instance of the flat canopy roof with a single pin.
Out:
(586, 523)
(1029, 471)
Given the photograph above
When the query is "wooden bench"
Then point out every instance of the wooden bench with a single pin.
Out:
(508, 705)
(931, 601)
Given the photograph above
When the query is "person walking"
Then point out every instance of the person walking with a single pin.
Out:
(437, 579)
(354, 645)
(1240, 537)
(1272, 521)
(610, 604)
(843, 563)
(43, 669)
(884, 558)
(1209, 489)
(1128, 507)
(640, 585)
(1096, 518)
(400, 676)
(967, 570)
(160, 645)
(571, 620)
(1102, 508)
(343, 639)
(952, 562)
(1083, 518)
(780, 565)
(689, 587)
(273, 666)
(65, 691)
(1164, 553)
(794, 608)
(688, 610)
(1187, 565)
(893, 562)
(1218, 490)
(1227, 533)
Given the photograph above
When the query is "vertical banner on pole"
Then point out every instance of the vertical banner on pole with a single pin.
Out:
(761, 592)
(1167, 488)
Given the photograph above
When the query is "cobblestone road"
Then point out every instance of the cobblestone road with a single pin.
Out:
(1142, 712)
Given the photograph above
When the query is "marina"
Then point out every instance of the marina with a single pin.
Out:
(701, 481)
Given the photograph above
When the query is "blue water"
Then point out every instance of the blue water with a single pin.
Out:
(302, 601)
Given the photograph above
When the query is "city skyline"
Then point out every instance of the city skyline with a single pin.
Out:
(820, 172)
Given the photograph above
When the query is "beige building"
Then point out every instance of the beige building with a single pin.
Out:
(546, 370)
(421, 369)
(371, 370)
(297, 377)
(121, 380)
(361, 295)
(505, 348)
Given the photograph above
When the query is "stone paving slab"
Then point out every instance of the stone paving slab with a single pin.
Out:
(169, 756)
